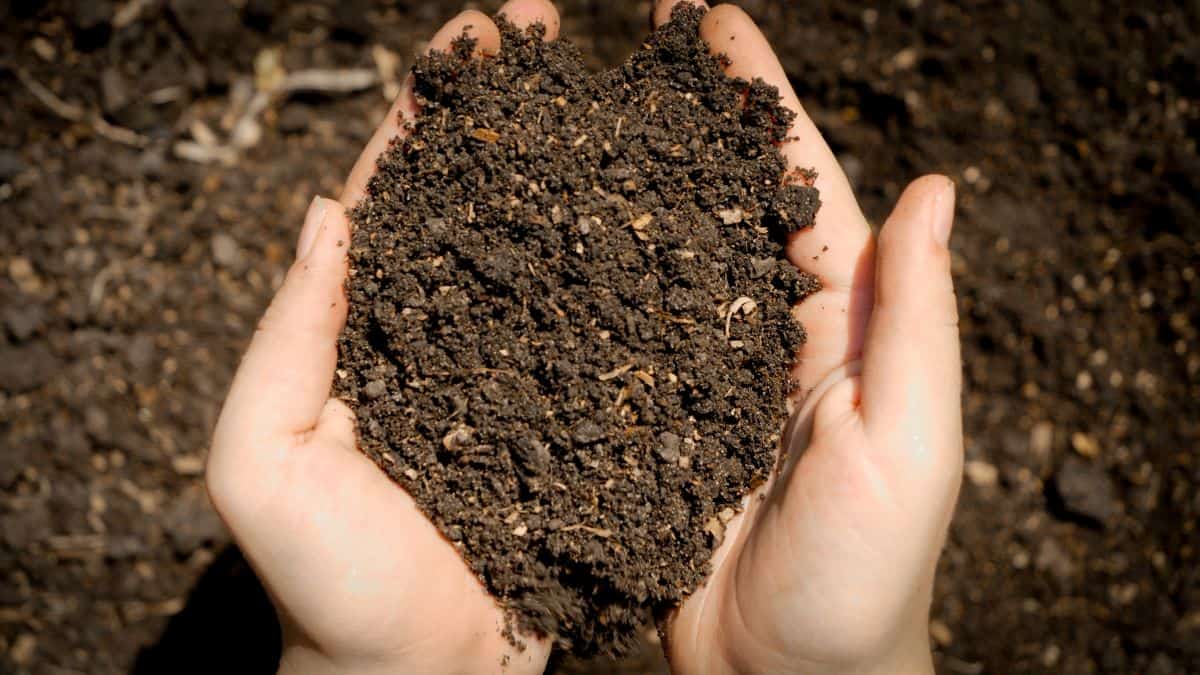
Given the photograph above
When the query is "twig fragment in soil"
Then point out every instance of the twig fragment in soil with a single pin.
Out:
(387, 63)
(598, 531)
(96, 294)
(615, 372)
(74, 113)
(646, 378)
(329, 81)
(205, 154)
(129, 12)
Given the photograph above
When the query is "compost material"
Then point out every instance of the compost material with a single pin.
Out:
(569, 333)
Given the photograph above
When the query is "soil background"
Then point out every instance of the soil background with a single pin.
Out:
(131, 276)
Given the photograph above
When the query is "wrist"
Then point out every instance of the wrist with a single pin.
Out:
(908, 654)
(302, 658)
(297, 659)
(905, 655)
(305, 660)
(911, 656)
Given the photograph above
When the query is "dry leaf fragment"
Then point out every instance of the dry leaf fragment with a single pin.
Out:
(745, 305)
(485, 135)
(732, 216)
(714, 527)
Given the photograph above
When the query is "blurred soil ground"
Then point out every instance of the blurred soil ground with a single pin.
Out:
(150, 200)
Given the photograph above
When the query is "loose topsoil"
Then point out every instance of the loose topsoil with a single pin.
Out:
(569, 333)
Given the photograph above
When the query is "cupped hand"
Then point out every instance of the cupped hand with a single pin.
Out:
(830, 567)
(361, 580)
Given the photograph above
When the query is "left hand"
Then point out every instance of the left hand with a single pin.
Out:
(361, 580)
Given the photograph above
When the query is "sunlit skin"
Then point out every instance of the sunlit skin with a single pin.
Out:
(828, 570)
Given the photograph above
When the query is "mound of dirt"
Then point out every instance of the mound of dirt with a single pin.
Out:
(569, 333)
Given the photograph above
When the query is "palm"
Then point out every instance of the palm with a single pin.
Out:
(357, 573)
(825, 555)
(372, 569)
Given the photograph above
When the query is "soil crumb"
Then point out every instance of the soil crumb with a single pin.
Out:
(569, 333)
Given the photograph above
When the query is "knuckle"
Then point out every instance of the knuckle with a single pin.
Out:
(228, 489)
(837, 405)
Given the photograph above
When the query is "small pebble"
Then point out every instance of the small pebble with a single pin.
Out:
(225, 250)
(941, 633)
(375, 389)
(668, 447)
(1086, 490)
(587, 432)
(1085, 445)
(23, 649)
(1041, 439)
(981, 473)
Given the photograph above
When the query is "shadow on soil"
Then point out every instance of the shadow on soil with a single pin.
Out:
(228, 625)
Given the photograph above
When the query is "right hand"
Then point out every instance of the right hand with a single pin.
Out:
(830, 567)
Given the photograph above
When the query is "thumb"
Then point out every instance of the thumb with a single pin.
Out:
(912, 371)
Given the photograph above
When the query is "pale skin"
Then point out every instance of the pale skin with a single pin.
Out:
(828, 570)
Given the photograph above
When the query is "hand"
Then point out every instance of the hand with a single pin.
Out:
(361, 580)
(830, 567)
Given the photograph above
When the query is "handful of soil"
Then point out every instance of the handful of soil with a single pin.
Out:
(569, 329)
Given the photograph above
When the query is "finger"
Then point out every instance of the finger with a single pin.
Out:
(662, 9)
(835, 322)
(284, 379)
(404, 110)
(833, 247)
(336, 426)
(525, 13)
(912, 373)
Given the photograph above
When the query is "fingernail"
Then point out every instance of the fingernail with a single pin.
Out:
(312, 225)
(943, 214)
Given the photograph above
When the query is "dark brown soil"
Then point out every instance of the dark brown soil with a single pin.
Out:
(569, 333)
(131, 278)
